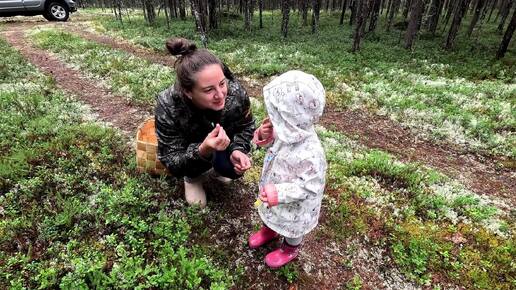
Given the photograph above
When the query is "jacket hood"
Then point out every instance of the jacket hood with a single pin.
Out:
(295, 101)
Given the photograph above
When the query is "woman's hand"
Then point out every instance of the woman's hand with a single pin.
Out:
(217, 140)
(269, 194)
(265, 129)
(241, 162)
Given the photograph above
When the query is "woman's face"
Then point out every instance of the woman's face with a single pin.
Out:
(210, 89)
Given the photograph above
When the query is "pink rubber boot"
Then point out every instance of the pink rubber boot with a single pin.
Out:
(262, 237)
(281, 256)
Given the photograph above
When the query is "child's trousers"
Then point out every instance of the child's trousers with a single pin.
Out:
(294, 241)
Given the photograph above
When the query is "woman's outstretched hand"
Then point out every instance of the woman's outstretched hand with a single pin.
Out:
(241, 162)
(217, 140)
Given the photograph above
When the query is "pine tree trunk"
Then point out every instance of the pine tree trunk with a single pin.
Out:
(144, 11)
(117, 9)
(504, 14)
(501, 8)
(149, 11)
(353, 16)
(344, 4)
(316, 9)
(212, 14)
(416, 12)
(285, 11)
(182, 10)
(492, 9)
(247, 15)
(172, 9)
(452, 7)
(166, 9)
(362, 6)
(436, 14)
(392, 13)
(368, 8)
(457, 19)
(198, 21)
(260, 9)
(476, 16)
(389, 6)
(472, 6)
(408, 4)
(374, 15)
(481, 19)
(382, 5)
(507, 36)
(304, 12)
(251, 9)
(432, 13)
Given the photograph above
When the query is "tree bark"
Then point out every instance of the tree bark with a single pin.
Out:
(476, 16)
(201, 28)
(374, 15)
(452, 7)
(392, 13)
(408, 4)
(182, 11)
(149, 11)
(389, 6)
(344, 4)
(173, 9)
(304, 12)
(212, 14)
(457, 19)
(260, 9)
(247, 14)
(492, 9)
(416, 12)
(433, 15)
(507, 36)
(362, 6)
(501, 8)
(353, 16)
(504, 14)
(251, 9)
(316, 9)
(166, 9)
(285, 11)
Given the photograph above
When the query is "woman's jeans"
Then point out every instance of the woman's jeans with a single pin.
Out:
(221, 164)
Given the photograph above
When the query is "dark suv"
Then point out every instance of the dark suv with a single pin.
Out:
(53, 10)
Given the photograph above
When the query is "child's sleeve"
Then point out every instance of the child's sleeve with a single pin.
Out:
(309, 183)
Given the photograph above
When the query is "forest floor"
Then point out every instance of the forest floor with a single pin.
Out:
(325, 263)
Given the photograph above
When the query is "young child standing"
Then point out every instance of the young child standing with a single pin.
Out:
(294, 169)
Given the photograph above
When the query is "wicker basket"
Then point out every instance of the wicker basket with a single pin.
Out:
(147, 148)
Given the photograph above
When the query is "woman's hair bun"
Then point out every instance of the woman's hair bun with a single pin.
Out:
(180, 46)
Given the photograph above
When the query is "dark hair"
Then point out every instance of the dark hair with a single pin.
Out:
(189, 61)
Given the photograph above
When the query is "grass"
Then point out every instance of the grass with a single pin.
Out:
(129, 76)
(415, 213)
(463, 96)
(74, 214)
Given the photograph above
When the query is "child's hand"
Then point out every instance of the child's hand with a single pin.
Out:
(265, 130)
(269, 194)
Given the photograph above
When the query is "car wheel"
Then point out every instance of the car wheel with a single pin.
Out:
(57, 12)
(47, 16)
